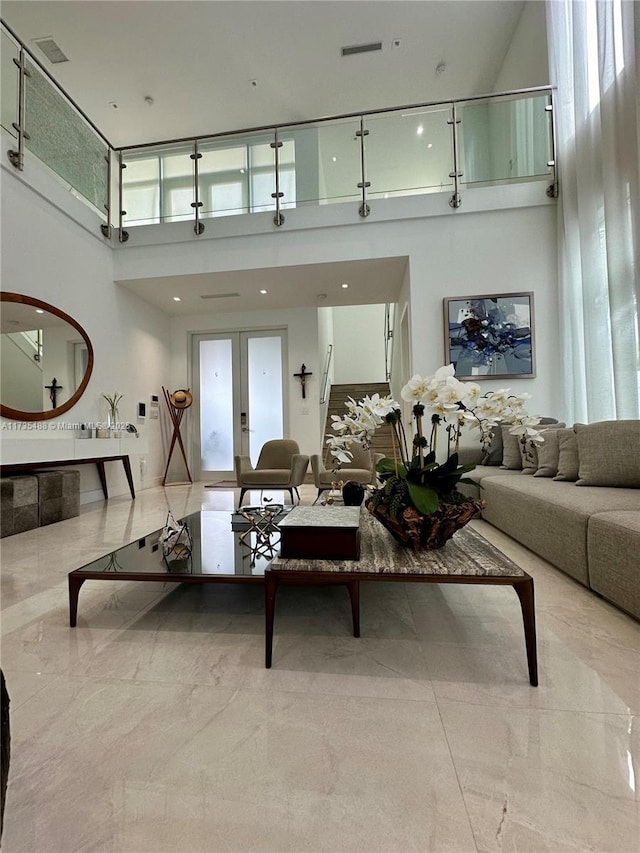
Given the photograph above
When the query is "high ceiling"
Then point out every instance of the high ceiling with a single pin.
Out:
(215, 65)
(212, 65)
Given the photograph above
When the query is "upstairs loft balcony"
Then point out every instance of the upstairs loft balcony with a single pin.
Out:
(438, 148)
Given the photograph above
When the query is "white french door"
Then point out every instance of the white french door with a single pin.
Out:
(238, 396)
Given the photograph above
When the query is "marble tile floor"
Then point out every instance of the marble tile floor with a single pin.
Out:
(153, 726)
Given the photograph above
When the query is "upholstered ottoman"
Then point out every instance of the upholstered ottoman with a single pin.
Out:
(613, 545)
(58, 495)
(19, 504)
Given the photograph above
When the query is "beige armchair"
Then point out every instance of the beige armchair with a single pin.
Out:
(280, 466)
(360, 469)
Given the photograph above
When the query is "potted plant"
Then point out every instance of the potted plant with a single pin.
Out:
(417, 499)
(112, 415)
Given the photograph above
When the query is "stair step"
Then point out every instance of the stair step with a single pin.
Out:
(382, 441)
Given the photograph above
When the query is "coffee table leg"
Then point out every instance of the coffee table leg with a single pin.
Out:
(271, 583)
(524, 591)
(354, 595)
(75, 582)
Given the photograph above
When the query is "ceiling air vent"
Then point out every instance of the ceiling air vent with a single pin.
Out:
(51, 50)
(217, 295)
(361, 48)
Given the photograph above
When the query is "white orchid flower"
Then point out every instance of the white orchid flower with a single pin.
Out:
(415, 389)
(471, 393)
(527, 428)
(442, 373)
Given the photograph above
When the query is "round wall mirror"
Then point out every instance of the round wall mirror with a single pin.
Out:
(46, 359)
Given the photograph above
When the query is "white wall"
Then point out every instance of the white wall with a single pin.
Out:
(358, 332)
(501, 240)
(525, 64)
(47, 254)
(488, 253)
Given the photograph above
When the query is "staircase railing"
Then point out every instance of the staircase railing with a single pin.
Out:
(325, 375)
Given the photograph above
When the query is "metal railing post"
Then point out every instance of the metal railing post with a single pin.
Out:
(197, 204)
(278, 219)
(17, 157)
(106, 229)
(455, 201)
(553, 189)
(123, 235)
(364, 210)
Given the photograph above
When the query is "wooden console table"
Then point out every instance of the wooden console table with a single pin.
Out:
(98, 461)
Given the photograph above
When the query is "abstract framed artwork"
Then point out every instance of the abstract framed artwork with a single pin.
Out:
(490, 335)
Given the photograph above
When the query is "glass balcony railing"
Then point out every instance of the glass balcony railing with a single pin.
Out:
(505, 139)
(59, 137)
(409, 152)
(394, 153)
(9, 75)
(431, 148)
(44, 121)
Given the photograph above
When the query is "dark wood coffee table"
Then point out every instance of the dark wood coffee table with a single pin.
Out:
(223, 552)
(466, 559)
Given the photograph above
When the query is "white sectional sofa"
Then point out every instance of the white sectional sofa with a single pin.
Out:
(575, 502)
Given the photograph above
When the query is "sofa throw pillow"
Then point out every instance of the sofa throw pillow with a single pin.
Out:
(511, 458)
(567, 456)
(548, 455)
(609, 454)
(493, 456)
(530, 452)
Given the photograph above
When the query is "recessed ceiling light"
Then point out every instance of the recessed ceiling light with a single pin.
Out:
(263, 290)
(344, 285)
(430, 145)
(39, 311)
(420, 130)
(334, 159)
(177, 299)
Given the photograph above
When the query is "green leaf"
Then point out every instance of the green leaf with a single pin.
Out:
(451, 464)
(388, 466)
(423, 498)
(464, 469)
(471, 482)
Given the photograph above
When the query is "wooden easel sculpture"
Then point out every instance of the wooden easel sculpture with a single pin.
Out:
(177, 403)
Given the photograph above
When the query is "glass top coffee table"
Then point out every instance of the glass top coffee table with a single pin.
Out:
(225, 549)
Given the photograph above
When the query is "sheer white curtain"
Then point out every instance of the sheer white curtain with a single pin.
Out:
(592, 49)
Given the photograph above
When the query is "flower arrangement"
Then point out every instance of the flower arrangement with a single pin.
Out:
(414, 478)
